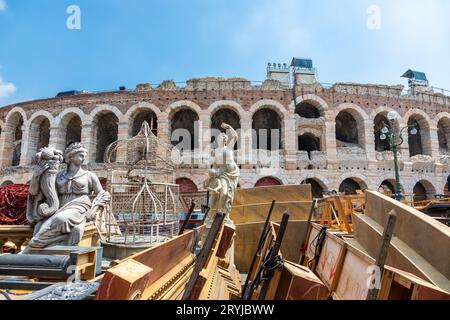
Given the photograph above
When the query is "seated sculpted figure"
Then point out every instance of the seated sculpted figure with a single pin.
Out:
(59, 203)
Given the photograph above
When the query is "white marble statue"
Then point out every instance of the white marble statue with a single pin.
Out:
(59, 203)
(223, 177)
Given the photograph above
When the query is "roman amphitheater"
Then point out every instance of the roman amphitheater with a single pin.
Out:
(329, 134)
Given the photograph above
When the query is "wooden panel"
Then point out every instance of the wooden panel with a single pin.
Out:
(247, 237)
(419, 231)
(315, 229)
(225, 241)
(298, 210)
(398, 284)
(353, 281)
(299, 283)
(368, 233)
(331, 260)
(126, 281)
(162, 258)
(269, 193)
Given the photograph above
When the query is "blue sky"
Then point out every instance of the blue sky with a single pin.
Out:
(129, 42)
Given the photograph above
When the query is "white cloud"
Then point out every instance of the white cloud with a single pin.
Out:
(6, 88)
(2, 5)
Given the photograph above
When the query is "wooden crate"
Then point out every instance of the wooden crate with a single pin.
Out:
(400, 285)
(331, 260)
(353, 279)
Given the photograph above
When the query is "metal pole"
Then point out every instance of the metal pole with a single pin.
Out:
(398, 186)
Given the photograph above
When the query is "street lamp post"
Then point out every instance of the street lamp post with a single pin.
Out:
(395, 141)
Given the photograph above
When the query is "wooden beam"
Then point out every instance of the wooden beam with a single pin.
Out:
(383, 252)
(204, 255)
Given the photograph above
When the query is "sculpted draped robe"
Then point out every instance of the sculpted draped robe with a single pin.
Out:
(66, 226)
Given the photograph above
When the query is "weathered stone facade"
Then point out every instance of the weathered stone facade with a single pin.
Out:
(328, 161)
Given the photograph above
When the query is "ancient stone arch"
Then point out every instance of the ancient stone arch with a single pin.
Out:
(350, 124)
(443, 127)
(419, 143)
(12, 136)
(182, 104)
(267, 125)
(315, 100)
(184, 128)
(105, 128)
(423, 190)
(227, 104)
(38, 133)
(6, 181)
(269, 104)
(268, 181)
(186, 185)
(143, 111)
(225, 114)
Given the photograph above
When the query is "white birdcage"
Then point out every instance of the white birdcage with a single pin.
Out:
(144, 211)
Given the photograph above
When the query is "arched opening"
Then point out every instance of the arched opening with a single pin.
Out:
(7, 183)
(13, 139)
(266, 130)
(306, 109)
(380, 122)
(316, 188)
(446, 191)
(184, 130)
(39, 135)
(444, 136)
(268, 181)
(224, 116)
(308, 142)
(419, 143)
(106, 126)
(347, 130)
(350, 186)
(72, 129)
(387, 188)
(424, 190)
(140, 117)
(420, 193)
(186, 185)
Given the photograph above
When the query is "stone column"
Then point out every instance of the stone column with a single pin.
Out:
(57, 137)
(289, 143)
(434, 141)
(123, 133)
(330, 141)
(25, 159)
(5, 146)
(369, 144)
(247, 142)
(204, 139)
(88, 140)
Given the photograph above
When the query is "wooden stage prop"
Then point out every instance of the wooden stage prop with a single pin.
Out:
(249, 213)
(410, 264)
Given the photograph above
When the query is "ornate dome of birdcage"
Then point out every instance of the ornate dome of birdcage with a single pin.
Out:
(144, 151)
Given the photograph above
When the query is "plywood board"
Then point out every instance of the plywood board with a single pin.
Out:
(331, 259)
(368, 234)
(423, 234)
(269, 193)
(310, 250)
(299, 283)
(398, 282)
(298, 210)
(166, 256)
(247, 237)
(353, 281)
